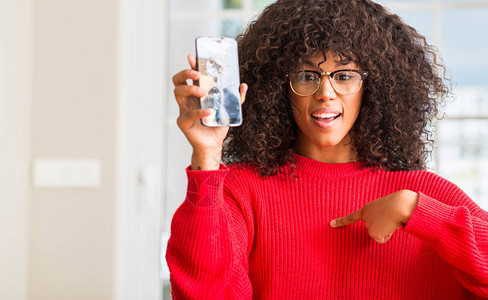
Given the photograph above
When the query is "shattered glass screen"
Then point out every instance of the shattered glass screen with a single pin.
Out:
(219, 68)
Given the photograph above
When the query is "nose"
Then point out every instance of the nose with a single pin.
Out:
(325, 91)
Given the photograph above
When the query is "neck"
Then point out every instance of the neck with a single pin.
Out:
(340, 153)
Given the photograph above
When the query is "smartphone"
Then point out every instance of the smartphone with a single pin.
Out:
(218, 64)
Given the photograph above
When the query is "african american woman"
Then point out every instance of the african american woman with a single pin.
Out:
(322, 193)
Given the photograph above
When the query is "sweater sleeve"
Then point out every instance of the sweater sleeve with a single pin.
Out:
(459, 234)
(207, 249)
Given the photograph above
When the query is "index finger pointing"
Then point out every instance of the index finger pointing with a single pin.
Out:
(347, 220)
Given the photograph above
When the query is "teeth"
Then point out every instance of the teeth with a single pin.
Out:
(325, 116)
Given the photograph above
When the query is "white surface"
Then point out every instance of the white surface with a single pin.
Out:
(141, 112)
(16, 29)
(66, 173)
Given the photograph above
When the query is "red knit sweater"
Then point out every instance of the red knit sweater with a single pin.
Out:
(237, 236)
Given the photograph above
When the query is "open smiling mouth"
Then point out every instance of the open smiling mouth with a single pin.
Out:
(325, 117)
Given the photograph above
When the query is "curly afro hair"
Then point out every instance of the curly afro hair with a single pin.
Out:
(401, 96)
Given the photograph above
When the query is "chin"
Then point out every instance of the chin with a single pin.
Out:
(331, 142)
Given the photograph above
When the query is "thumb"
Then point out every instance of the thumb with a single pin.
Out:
(347, 220)
(243, 91)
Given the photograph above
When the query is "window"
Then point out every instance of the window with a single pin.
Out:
(458, 28)
(463, 135)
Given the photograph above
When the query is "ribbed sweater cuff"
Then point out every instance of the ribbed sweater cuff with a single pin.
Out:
(205, 188)
(428, 219)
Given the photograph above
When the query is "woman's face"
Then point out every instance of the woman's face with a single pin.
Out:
(325, 118)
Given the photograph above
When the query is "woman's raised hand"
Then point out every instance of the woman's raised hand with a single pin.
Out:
(206, 141)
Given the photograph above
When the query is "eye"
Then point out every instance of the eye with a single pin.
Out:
(307, 77)
(345, 76)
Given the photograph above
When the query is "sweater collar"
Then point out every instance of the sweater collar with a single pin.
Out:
(328, 170)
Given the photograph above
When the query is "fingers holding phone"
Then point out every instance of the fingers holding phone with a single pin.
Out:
(187, 96)
(206, 141)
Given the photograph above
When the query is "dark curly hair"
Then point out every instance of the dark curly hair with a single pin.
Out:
(401, 95)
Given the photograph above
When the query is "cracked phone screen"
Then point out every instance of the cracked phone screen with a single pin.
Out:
(219, 76)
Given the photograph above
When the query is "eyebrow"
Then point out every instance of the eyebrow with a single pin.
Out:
(339, 63)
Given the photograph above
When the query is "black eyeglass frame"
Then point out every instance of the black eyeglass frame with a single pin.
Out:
(331, 75)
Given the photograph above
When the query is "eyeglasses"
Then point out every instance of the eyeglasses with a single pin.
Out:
(345, 82)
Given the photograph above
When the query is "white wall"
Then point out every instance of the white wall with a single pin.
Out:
(15, 95)
(74, 115)
(142, 65)
(82, 80)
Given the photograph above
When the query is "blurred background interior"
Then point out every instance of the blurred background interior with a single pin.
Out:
(92, 162)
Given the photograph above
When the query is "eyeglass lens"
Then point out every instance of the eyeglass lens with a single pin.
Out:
(307, 83)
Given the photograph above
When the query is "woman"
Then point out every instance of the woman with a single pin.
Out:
(324, 193)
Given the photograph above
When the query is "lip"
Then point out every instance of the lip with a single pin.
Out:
(325, 111)
(325, 124)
